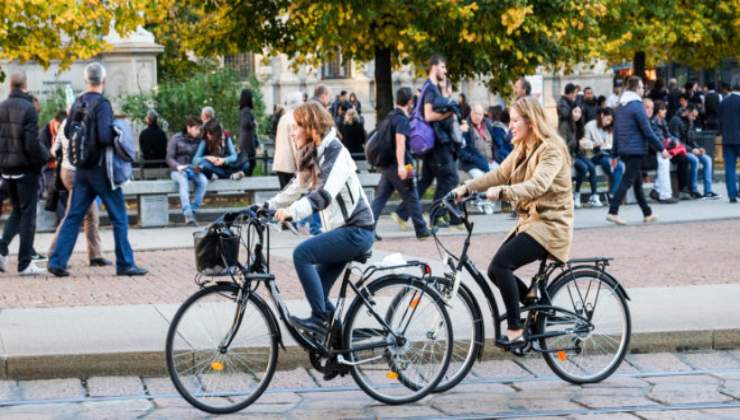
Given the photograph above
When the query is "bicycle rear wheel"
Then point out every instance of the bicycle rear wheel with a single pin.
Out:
(219, 358)
(400, 348)
(589, 343)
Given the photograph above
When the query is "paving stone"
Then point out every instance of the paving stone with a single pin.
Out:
(683, 379)
(681, 393)
(175, 409)
(613, 382)
(659, 362)
(339, 381)
(410, 410)
(41, 412)
(127, 409)
(103, 386)
(549, 386)
(159, 386)
(296, 378)
(711, 360)
(613, 401)
(672, 414)
(470, 403)
(50, 389)
(723, 413)
(499, 369)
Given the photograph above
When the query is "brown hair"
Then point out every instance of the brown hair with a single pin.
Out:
(315, 119)
(215, 145)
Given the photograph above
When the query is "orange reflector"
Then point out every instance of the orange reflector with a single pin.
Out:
(391, 375)
(217, 366)
(562, 356)
(414, 302)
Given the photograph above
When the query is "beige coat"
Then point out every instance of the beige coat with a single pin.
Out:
(541, 190)
(286, 155)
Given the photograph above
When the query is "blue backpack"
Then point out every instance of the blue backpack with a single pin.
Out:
(421, 140)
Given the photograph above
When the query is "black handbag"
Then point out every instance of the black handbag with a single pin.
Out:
(216, 250)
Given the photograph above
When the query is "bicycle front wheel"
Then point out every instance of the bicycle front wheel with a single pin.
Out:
(400, 348)
(221, 355)
(587, 343)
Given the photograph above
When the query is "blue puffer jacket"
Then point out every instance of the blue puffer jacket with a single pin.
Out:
(632, 130)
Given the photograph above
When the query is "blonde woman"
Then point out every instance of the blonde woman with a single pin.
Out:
(536, 178)
(327, 183)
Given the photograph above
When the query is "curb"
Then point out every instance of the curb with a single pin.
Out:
(152, 363)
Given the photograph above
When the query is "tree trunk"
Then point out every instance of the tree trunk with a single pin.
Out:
(383, 83)
(638, 65)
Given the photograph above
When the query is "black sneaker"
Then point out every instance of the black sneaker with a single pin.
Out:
(314, 324)
(423, 235)
(378, 237)
(733, 200)
(38, 256)
(59, 272)
(711, 196)
(132, 271)
(654, 195)
(696, 195)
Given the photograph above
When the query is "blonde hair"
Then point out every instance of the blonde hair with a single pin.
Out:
(350, 116)
(531, 110)
(315, 119)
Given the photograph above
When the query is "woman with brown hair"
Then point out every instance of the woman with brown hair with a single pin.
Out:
(326, 183)
(215, 154)
(535, 177)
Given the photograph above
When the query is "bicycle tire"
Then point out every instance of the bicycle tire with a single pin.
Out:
(462, 359)
(390, 364)
(557, 363)
(189, 336)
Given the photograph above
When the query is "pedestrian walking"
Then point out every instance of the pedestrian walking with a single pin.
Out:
(632, 134)
(729, 122)
(399, 175)
(91, 121)
(22, 156)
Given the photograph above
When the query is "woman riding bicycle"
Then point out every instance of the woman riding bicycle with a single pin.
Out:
(536, 177)
(327, 183)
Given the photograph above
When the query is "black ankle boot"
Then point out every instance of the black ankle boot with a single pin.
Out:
(316, 324)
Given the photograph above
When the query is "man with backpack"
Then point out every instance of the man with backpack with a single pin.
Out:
(387, 150)
(90, 130)
(439, 160)
(21, 158)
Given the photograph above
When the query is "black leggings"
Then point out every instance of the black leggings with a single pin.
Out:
(517, 251)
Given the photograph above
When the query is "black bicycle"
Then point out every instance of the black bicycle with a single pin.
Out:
(579, 321)
(222, 344)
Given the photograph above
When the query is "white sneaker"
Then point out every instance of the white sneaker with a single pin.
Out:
(3, 261)
(577, 200)
(404, 225)
(237, 175)
(33, 270)
(594, 201)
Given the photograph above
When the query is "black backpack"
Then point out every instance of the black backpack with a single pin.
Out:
(83, 138)
(380, 149)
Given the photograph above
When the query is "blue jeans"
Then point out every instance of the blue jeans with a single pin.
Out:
(584, 166)
(615, 177)
(88, 184)
(223, 172)
(706, 163)
(731, 153)
(199, 180)
(320, 260)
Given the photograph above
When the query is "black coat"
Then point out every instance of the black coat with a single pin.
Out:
(729, 120)
(20, 148)
(247, 133)
(354, 138)
(153, 145)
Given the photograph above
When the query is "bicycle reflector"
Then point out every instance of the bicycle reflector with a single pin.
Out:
(562, 356)
(217, 366)
(391, 375)
(415, 302)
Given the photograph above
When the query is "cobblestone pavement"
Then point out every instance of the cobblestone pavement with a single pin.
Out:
(679, 254)
(648, 386)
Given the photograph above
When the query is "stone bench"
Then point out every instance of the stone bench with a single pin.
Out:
(153, 204)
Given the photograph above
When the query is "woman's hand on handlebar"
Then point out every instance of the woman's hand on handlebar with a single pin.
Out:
(460, 193)
(493, 193)
(282, 215)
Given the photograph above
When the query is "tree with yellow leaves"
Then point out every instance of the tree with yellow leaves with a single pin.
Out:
(45, 31)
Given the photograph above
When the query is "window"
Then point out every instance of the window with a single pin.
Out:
(242, 63)
(336, 68)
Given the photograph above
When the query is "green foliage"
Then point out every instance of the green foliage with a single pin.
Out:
(52, 104)
(175, 101)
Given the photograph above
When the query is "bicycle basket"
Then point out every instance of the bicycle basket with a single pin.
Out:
(216, 250)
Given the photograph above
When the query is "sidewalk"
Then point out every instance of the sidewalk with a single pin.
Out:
(130, 340)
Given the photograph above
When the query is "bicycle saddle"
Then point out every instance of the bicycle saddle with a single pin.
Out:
(362, 259)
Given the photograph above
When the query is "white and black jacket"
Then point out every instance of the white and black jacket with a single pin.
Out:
(338, 197)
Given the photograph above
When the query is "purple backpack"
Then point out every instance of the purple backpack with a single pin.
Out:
(421, 140)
